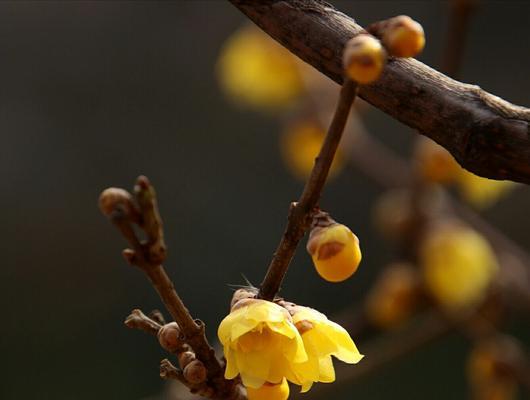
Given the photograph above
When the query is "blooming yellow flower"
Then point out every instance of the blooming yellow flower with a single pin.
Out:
(261, 344)
(300, 143)
(458, 266)
(255, 70)
(269, 391)
(322, 339)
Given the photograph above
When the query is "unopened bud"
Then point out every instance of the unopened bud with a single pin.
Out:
(402, 36)
(195, 372)
(185, 358)
(364, 58)
(242, 294)
(112, 199)
(169, 337)
(335, 251)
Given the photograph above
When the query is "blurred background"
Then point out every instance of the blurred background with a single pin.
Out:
(95, 93)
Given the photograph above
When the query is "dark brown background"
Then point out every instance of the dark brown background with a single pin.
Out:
(93, 94)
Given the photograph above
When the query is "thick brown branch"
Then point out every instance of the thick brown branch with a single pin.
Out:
(300, 213)
(486, 134)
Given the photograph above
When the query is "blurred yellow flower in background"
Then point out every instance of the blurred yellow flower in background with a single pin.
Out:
(393, 298)
(435, 164)
(254, 70)
(300, 143)
(322, 339)
(458, 266)
(481, 192)
(260, 343)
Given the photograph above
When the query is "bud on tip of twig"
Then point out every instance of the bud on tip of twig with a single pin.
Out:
(364, 58)
(114, 199)
(195, 372)
(169, 337)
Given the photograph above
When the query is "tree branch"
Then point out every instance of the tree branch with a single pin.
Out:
(148, 255)
(486, 134)
(300, 213)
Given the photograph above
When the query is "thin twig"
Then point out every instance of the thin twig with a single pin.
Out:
(457, 32)
(138, 320)
(148, 255)
(300, 213)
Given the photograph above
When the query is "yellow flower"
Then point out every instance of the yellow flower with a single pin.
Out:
(269, 391)
(300, 143)
(335, 252)
(322, 339)
(255, 70)
(260, 343)
(458, 266)
(481, 192)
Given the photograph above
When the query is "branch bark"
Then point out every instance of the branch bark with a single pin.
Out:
(486, 134)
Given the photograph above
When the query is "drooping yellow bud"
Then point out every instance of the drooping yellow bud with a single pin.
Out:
(458, 266)
(254, 70)
(300, 143)
(393, 298)
(269, 391)
(335, 251)
(364, 58)
(403, 37)
(434, 163)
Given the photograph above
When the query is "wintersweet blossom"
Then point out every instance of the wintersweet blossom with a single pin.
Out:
(322, 339)
(269, 391)
(261, 343)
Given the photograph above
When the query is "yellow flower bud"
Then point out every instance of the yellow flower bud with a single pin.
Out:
(335, 251)
(392, 300)
(364, 58)
(458, 266)
(434, 163)
(255, 70)
(403, 37)
(300, 143)
(269, 391)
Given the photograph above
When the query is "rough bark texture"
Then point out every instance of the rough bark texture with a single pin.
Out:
(486, 134)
